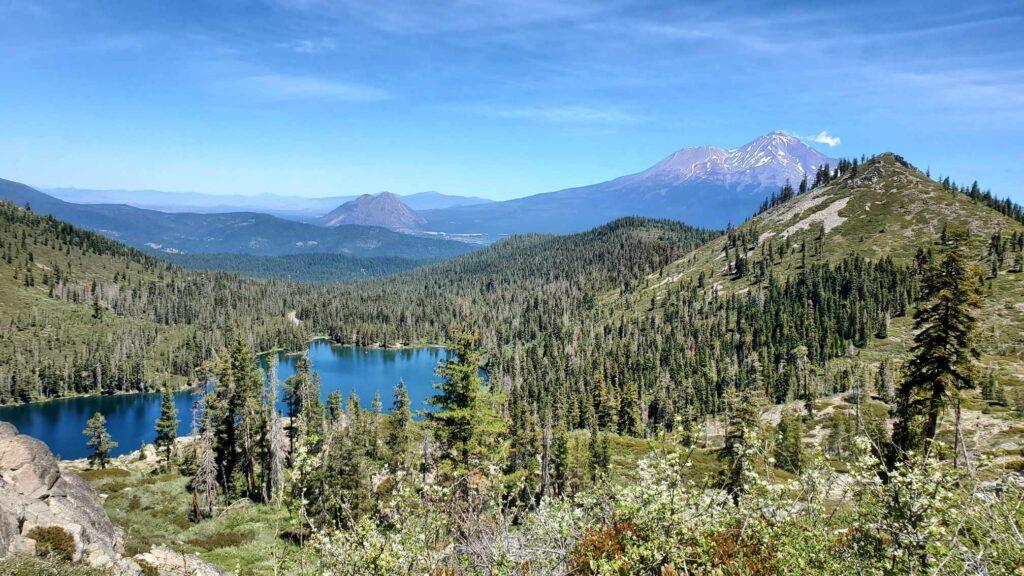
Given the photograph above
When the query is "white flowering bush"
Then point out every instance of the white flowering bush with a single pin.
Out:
(924, 517)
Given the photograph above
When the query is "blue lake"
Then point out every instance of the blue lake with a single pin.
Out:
(131, 417)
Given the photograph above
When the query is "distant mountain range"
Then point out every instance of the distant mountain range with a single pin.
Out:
(703, 186)
(384, 209)
(234, 232)
(285, 206)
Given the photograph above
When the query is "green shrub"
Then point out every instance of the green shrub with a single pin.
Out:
(104, 474)
(1015, 466)
(53, 541)
(114, 487)
(181, 521)
(226, 539)
(186, 460)
(19, 565)
(148, 569)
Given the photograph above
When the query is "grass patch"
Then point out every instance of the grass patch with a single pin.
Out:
(104, 474)
(229, 539)
(20, 565)
(153, 509)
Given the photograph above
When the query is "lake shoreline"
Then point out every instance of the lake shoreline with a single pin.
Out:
(279, 350)
(367, 371)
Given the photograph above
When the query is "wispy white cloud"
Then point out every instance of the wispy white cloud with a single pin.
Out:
(283, 87)
(415, 16)
(23, 8)
(825, 138)
(310, 46)
(572, 114)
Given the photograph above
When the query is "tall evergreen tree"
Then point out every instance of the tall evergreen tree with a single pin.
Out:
(789, 448)
(629, 410)
(335, 410)
(239, 422)
(399, 427)
(741, 435)
(560, 464)
(944, 350)
(166, 425)
(99, 441)
(600, 457)
(465, 424)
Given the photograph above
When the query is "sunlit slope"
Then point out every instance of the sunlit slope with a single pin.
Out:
(82, 313)
(886, 209)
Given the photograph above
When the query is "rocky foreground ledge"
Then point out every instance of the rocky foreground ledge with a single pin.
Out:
(35, 493)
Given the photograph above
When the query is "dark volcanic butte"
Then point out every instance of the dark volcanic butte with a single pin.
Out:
(384, 209)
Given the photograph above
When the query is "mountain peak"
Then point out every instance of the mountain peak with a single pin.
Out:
(767, 161)
(384, 209)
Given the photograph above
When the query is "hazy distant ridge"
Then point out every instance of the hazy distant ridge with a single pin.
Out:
(278, 204)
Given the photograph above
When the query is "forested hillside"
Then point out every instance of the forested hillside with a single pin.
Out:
(622, 328)
(659, 399)
(774, 303)
(521, 288)
(297, 267)
(883, 213)
(235, 232)
(82, 313)
(89, 315)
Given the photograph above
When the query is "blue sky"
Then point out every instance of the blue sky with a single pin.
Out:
(498, 99)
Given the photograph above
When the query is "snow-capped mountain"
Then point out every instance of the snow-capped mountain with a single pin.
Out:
(767, 162)
(703, 186)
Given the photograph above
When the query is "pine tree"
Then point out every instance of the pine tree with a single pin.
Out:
(545, 456)
(334, 407)
(399, 427)
(741, 435)
(204, 483)
(345, 494)
(560, 464)
(465, 424)
(988, 387)
(944, 347)
(789, 448)
(99, 441)
(166, 425)
(629, 411)
(238, 420)
(376, 427)
(885, 381)
(599, 451)
(805, 383)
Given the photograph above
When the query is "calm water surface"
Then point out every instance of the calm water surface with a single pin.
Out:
(131, 417)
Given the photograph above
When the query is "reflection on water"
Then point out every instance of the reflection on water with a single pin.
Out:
(131, 417)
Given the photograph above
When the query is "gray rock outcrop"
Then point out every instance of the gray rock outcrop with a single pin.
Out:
(170, 563)
(35, 492)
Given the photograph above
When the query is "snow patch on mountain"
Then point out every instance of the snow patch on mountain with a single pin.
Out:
(768, 161)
